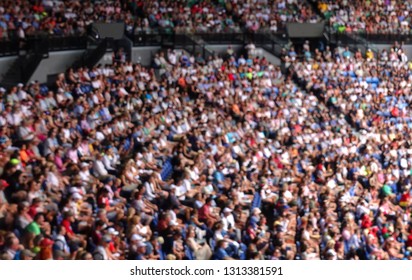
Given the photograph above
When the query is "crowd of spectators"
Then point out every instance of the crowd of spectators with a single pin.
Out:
(25, 18)
(272, 15)
(187, 17)
(199, 163)
(366, 161)
(219, 158)
(210, 158)
(72, 18)
(378, 17)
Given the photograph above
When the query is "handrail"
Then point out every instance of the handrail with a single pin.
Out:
(377, 38)
(54, 43)
(197, 42)
(59, 43)
(352, 40)
(91, 57)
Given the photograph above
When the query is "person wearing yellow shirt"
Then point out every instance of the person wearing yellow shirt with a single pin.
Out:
(323, 7)
(369, 54)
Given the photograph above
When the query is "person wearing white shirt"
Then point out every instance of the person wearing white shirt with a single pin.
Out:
(23, 95)
(150, 191)
(99, 167)
(16, 117)
(84, 173)
(229, 224)
(109, 160)
(180, 190)
(172, 58)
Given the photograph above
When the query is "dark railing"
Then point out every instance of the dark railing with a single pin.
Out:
(342, 38)
(92, 56)
(387, 38)
(67, 43)
(269, 41)
(223, 38)
(55, 43)
(52, 43)
(8, 48)
(145, 39)
(353, 41)
(190, 44)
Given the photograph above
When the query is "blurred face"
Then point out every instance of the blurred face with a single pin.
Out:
(40, 220)
(15, 245)
(27, 258)
(142, 249)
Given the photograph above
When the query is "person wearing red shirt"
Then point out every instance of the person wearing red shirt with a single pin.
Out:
(405, 198)
(366, 222)
(67, 224)
(163, 224)
(205, 214)
(97, 234)
(409, 240)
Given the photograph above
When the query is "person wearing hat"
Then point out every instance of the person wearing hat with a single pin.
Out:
(27, 255)
(229, 225)
(46, 249)
(102, 251)
(141, 251)
(133, 246)
(114, 244)
(86, 178)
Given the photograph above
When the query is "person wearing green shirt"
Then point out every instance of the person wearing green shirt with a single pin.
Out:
(35, 226)
(386, 190)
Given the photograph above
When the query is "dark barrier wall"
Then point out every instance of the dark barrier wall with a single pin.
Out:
(109, 30)
(305, 30)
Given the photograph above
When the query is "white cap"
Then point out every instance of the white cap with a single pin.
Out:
(173, 223)
(141, 244)
(77, 196)
(227, 210)
(112, 231)
(256, 210)
(74, 190)
(404, 163)
(2, 89)
(19, 84)
(136, 237)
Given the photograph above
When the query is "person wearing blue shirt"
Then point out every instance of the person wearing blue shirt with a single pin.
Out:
(220, 253)
(219, 177)
(141, 251)
(346, 53)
